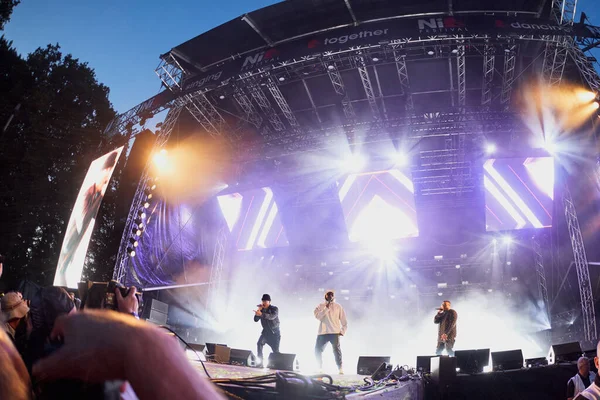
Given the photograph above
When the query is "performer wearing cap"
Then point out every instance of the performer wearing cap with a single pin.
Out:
(333, 325)
(268, 315)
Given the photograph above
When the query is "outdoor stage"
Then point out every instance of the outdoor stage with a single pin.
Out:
(547, 382)
(409, 390)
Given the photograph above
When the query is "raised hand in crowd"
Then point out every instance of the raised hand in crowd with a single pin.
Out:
(102, 345)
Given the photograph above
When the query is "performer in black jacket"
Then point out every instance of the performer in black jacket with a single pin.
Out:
(268, 315)
(446, 319)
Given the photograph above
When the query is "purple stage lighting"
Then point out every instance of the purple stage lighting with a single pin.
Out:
(253, 219)
(490, 148)
(518, 193)
(379, 206)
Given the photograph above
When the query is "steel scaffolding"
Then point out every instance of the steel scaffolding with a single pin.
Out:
(366, 82)
(461, 72)
(338, 86)
(508, 77)
(581, 265)
(216, 269)
(162, 136)
(489, 59)
(404, 81)
(541, 275)
(204, 112)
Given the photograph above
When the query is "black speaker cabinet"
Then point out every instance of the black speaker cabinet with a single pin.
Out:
(565, 352)
(443, 370)
(242, 357)
(222, 354)
(505, 360)
(198, 348)
(472, 361)
(210, 348)
(424, 363)
(368, 365)
(282, 361)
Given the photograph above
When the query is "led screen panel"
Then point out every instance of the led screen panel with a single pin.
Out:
(519, 193)
(253, 219)
(83, 217)
(379, 206)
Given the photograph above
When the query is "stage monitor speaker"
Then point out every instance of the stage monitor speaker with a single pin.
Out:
(368, 365)
(210, 348)
(472, 361)
(565, 352)
(282, 361)
(505, 360)
(443, 370)
(222, 354)
(536, 362)
(424, 363)
(242, 357)
(197, 347)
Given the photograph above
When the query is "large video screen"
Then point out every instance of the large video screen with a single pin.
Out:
(519, 193)
(83, 217)
(253, 219)
(379, 206)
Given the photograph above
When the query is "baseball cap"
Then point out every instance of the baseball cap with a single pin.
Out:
(13, 306)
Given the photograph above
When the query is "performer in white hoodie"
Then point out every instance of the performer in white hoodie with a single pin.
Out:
(333, 325)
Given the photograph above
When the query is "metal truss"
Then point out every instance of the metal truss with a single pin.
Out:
(586, 68)
(170, 72)
(338, 86)
(366, 82)
(404, 81)
(204, 112)
(216, 269)
(462, 76)
(259, 97)
(162, 136)
(489, 59)
(555, 58)
(282, 103)
(581, 264)
(508, 77)
(252, 116)
(541, 274)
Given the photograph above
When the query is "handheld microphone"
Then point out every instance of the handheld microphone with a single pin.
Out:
(439, 309)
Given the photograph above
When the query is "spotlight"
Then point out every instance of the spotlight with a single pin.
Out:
(494, 241)
(596, 105)
(131, 252)
(161, 160)
(153, 187)
(281, 79)
(375, 59)
(139, 223)
(585, 96)
(440, 294)
(354, 163)
(507, 240)
(454, 51)
(146, 205)
(549, 146)
(134, 242)
(137, 231)
(490, 290)
(222, 97)
(401, 159)
(141, 214)
(490, 148)
(430, 52)
(457, 266)
(331, 67)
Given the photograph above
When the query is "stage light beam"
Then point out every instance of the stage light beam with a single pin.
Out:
(354, 163)
(490, 148)
(507, 240)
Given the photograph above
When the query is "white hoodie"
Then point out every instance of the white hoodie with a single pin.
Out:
(333, 319)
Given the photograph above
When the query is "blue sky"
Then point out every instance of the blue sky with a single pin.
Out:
(122, 39)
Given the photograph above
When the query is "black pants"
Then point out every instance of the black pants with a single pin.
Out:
(322, 341)
(270, 338)
(448, 345)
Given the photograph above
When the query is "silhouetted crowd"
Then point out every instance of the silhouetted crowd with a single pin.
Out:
(51, 350)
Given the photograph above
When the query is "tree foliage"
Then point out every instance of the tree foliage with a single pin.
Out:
(45, 152)
(6, 9)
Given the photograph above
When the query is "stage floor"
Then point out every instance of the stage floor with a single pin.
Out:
(409, 390)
